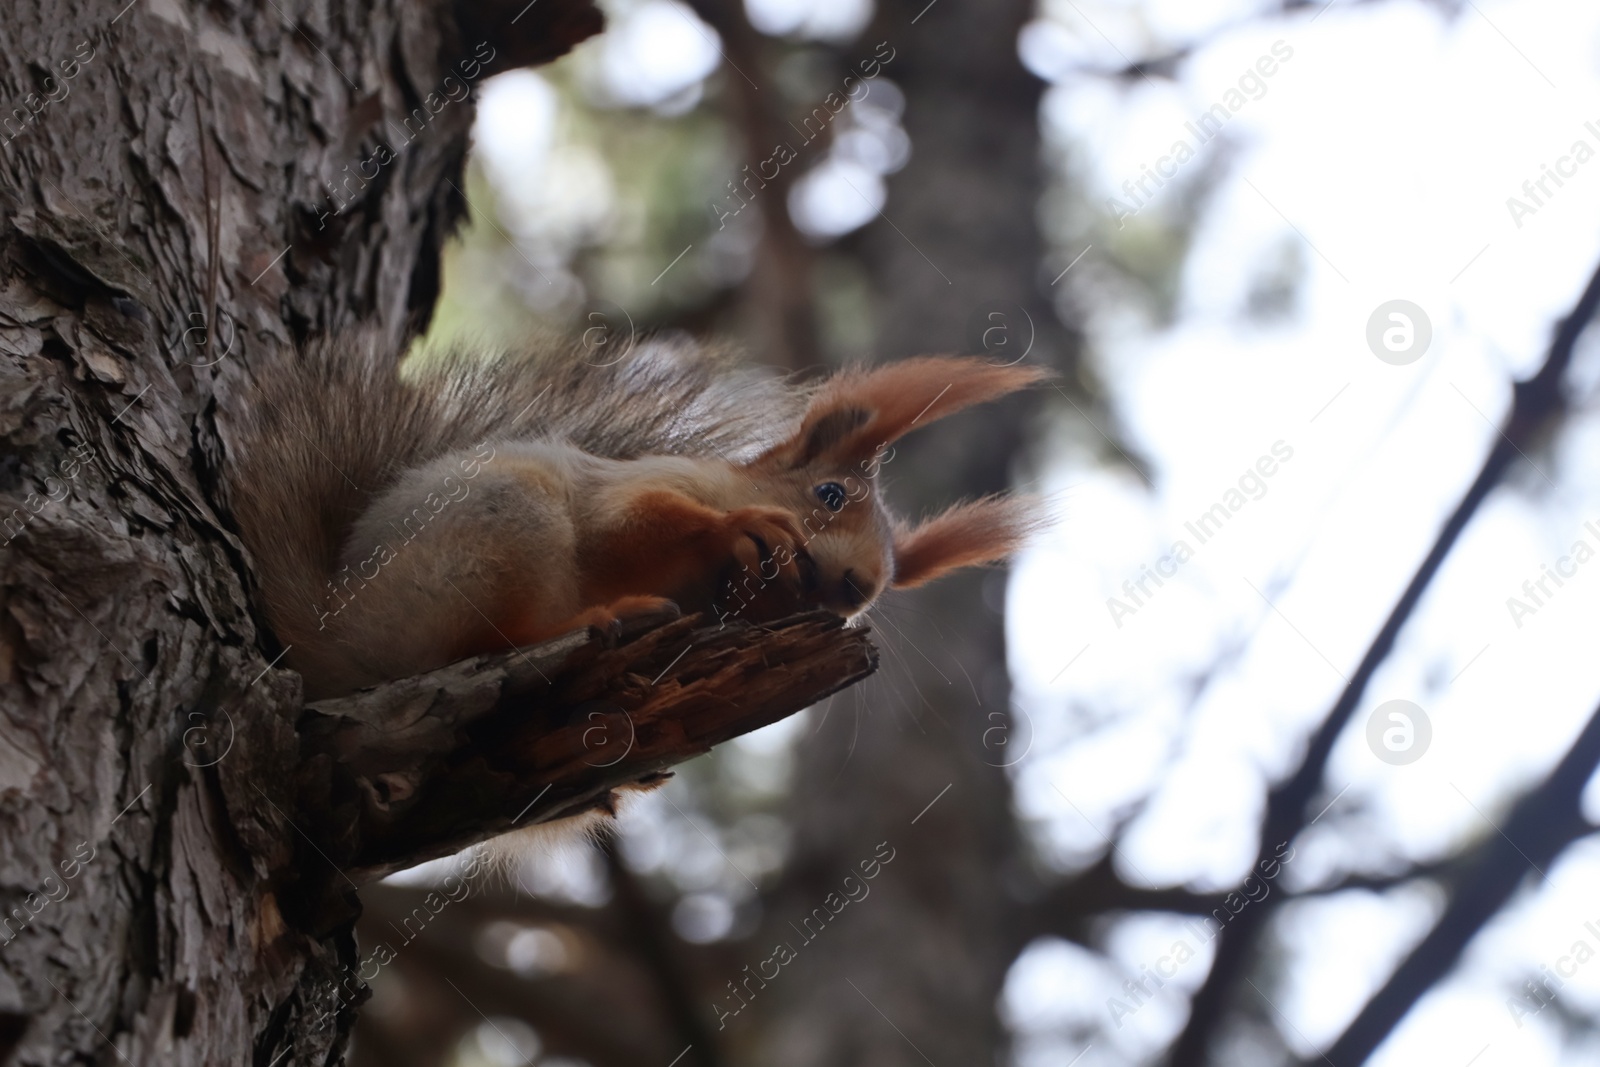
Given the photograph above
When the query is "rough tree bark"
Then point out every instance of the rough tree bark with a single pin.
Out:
(185, 186)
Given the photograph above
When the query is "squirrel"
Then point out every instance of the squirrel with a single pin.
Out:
(402, 519)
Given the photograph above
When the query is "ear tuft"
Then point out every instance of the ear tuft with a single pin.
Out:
(857, 412)
(979, 531)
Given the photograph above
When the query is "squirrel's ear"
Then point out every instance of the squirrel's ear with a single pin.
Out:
(855, 413)
(980, 531)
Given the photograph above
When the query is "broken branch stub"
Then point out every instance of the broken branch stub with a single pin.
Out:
(422, 767)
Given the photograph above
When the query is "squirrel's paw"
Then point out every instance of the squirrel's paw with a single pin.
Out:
(773, 575)
(624, 616)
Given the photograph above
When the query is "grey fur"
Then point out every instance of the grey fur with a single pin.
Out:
(334, 426)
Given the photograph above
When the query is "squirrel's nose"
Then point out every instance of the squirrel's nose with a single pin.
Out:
(851, 595)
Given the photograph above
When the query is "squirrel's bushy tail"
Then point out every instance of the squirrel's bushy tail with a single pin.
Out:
(327, 428)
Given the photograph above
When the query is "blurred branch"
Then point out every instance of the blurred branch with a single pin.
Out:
(488, 903)
(656, 949)
(778, 292)
(422, 767)
(1071, 909)
(1448, 871)
(525, 34)
(629, 932)
(494, 901)
(566, 1010)
(1535, 403)
(1542, 823)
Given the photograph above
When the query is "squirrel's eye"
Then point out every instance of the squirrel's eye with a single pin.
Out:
(831, 494)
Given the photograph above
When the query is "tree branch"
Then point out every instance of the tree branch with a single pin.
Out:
(1071, 909)
(1543, 823)
(422, 767)
(525, 33)
(657, 951)
(569, 1011)
(1535, 403)
(778, 290)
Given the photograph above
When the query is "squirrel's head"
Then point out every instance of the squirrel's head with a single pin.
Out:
(827, 473)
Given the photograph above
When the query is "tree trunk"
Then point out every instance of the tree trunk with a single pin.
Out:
(184, 187)
(913, 973)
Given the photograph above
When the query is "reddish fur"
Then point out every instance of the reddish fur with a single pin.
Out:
(672, 550)
(672, 547)
(980, 531)
(899, 397)
(669, 545)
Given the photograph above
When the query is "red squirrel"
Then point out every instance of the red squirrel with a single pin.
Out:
(401, 520)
